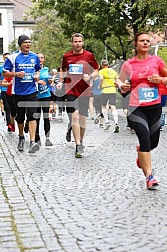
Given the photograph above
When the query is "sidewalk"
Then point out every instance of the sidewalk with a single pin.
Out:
(52, 201)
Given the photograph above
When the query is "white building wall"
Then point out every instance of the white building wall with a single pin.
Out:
(22, 29)
(6, 29)
(9, 30)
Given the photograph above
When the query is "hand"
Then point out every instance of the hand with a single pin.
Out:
(42, 82)
(36, 77)
(155, 78)
(59, 85)
(87, 77)
(126, 86)
(52, 84)
(20, 74)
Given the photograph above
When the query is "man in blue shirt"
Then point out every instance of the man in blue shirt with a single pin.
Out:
(23, 65)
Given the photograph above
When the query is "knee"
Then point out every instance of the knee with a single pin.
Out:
(19, 120)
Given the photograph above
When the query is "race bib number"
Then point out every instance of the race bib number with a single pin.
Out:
(76, 69)
(43, 89)
(148, 94)
(27, 78)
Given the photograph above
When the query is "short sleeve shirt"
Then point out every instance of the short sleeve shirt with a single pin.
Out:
(143, 92)
(77, 65)
(29, 63)
(109, 78)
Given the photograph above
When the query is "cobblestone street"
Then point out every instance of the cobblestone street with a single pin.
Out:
(52, 202)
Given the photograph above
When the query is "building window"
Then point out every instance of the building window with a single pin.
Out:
(1, 45)
(0, 19)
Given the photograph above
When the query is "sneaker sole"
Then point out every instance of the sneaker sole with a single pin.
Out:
(78, 155)
(153, 187)
(96, 121)
(108, 127)
(32, 151)
(48, 146)
(116, 131)
(20, 150)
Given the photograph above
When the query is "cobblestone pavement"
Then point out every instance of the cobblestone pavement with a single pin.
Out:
(52, 201)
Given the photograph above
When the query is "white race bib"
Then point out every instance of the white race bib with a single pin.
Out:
(76, 69)
(148, 94)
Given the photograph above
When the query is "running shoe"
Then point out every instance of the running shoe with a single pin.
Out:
(68, 136)
(9, 128)
(33, 147)
(128, 127)
(38, 142)
(137, 159)
(132, 131)
(101, 125)
(48, 143)
(151, 183)
(20, 145)
(116, 128)
(96, 121)
(79, 151)
(26, 127)
(13, 127)
(107, 126)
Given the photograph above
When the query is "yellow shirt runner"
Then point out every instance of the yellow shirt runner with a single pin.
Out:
(109, 77)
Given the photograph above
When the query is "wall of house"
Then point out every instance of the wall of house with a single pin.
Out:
(12, 23)
(22, 29)
(6, 29)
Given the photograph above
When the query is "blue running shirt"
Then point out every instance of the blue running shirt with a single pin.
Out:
(29, 63)
(3, 89)
(44, 90)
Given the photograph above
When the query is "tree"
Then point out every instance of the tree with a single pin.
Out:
(113, 22)
(48, 38)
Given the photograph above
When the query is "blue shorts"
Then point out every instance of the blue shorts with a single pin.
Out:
(163, 100)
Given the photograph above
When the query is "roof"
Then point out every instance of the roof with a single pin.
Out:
(5, 2)
(20, 7)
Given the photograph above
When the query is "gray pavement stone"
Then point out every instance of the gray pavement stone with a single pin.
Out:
(51, 201)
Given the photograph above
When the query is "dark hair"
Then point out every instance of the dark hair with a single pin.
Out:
(77, 35)
(5, 54)
(137, 36)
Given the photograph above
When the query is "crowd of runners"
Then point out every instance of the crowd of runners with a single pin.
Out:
(82, 87)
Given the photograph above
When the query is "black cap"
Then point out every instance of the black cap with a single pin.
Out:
(22, 38)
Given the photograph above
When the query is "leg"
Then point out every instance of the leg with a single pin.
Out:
(31, 116)
(112, 102)
(20, 117)
(76, 127)
(91, 107)
(82, 123)
(146, 123)
(6, 108)
(32, 130)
